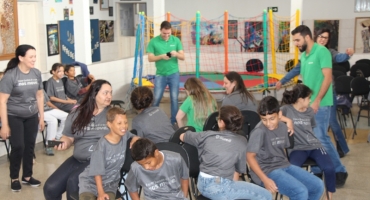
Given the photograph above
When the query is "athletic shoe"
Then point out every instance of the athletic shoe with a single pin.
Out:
(16, 186)
(49, 151)
(341, 178)
(32, 182)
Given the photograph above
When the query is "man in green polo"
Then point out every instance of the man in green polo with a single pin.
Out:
(165, 50)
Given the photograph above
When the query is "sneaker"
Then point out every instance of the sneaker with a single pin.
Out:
(32, 182)
(341, 178)
(16, 186)
(49, 151)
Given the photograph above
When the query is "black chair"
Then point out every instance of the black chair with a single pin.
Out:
(345, 65)
(366, 61)
(175, 138)
(44, 84)
(7, 146)
(211, 122)
(251, 119)
(364, 68)
(361, 87)
(339, 68)
(126, 168)
(337, 73)
(343, 87)
(44, 134)
(118, 103)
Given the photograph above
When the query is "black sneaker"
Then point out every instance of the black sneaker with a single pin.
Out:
(16, 186)
(32, 182)
(341, 178)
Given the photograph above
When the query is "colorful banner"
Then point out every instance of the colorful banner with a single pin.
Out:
(67, 41)
(95, 43)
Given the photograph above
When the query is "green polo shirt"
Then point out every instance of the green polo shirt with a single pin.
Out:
(158, 46)
(311, 71)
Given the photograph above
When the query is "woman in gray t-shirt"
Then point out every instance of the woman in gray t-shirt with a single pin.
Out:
(21, 108)
(222, 156)
(83, 128)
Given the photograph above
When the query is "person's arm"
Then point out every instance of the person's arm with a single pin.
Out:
(51, 105)
(236, 176)
(185, 186)
(99, 186)
(327, 72)
(289, 124)
(291, 74)
(179, 118)
(133, 140)
(268, 183)
(40, 106)
(341, 57)
(67, 142)
(71, 101)
(153, 58)
(5, 130)
(178, 54)
(134, 195)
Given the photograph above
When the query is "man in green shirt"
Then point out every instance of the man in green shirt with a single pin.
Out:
(165, 50)
(316, 71)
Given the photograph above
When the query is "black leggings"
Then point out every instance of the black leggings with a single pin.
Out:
(65, 178)
(22, 141)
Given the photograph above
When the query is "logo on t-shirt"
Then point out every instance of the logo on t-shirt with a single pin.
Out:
(222, 138)
(26, 82)
(310, 63)
(161, 183)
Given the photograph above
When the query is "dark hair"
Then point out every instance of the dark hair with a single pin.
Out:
(55, 67)
(67, 67)
(142, 149)
(232, 118)
(165, 25)
(321, 31)
(113, 112)
(268, 106)
(85, 110)
(303, 30)
(141, 97)
(298, 91)
(239, 85)
(20, 51)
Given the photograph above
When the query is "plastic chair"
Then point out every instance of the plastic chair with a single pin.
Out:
(343, 87)
(251, 119)
(337, 73)
(345, 65)
(366, 61)
(360, 87)
(211, 122)
(118, 103)
(365, 69)
(175, 138)
(126, 168)
(7, 146)
(339, 68)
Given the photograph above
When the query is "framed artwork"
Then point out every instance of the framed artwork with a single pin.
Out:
(104, 4)
(233, 29)
(333, 26)
(66, 13)
(211, 33)
(253, 36)
(110, 12)
(284, 37)
(106, 31)
(95, 1)
(362, 35)
(91, 10)
(8, 29)
(52, 34)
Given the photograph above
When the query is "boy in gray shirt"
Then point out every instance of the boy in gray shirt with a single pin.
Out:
(162, 174)
(100, 179)
(266, 157)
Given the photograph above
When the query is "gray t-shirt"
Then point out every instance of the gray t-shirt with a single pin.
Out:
(269, 147)
(55, 88)
(22, 89)
(46, 99)
(163, 183)
(221, 153)
(153, 123)
(84, 143)
(304, 137)
(72, 88)
(240, 101)
(106, 160)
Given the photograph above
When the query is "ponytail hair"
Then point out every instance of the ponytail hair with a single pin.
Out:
(232, 118)
(298, 91)
(20, 51)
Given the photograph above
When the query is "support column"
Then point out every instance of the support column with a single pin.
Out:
(159, 14)
(82, 35)
(294, 6)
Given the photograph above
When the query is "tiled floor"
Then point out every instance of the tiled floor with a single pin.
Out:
(357, 163)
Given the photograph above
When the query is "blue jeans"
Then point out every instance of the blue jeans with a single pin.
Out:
(225, 189)
(335, 127)
(172, 81)
(298, 157)
(321, 131)
(297, 183)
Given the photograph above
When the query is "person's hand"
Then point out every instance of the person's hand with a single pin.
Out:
(349, 51)
(72, 101)
(173, 54)
(290, 126)
(103, 196)
(4, 132)
(278, 85)
(165, 57)
(61, 146)
(90, 76)
(270, 185)
(42, 125)
(315, 106)
(133, 140)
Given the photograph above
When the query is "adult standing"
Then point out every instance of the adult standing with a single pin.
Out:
(22, 111)
(84, 126)
(316, 70)
(165, 50)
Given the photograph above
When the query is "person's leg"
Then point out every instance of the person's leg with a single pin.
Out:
(298, 157)
(88, 196)
(159, 86)
(173, 82)
(324, 162)
(31, 126)
(335, 127)
(225, 189)
(111, 195)
(288, 185)
(52, 127)
(56, 184)
(321, 131)
(16, 144)
(59, 115)
(72, 182)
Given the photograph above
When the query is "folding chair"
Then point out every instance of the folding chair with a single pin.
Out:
(175, 138)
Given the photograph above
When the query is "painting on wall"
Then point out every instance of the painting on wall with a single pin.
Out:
(333, 26)
(106, 30)
(104, 4)
(67, 41)
(66, 14)
(284, 37)
(52, 34)
(233, 29)
(8, 29)
(253, 37)
(362, 35)
(211, 33)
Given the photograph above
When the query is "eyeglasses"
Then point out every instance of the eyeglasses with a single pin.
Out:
(322, 37)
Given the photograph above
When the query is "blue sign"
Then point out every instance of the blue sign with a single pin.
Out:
(95, 43)
(67, 41)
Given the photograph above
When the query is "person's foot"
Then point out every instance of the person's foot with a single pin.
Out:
(49, 151)
(341, 178)
(16, 185)
(32, 182)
